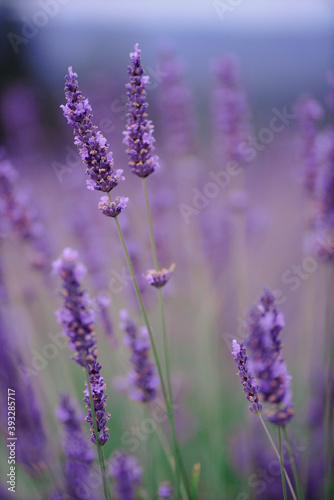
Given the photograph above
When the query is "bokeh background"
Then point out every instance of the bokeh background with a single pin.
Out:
(223, 259)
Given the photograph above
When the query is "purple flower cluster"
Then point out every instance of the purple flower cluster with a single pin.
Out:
(75, 316)
(92, 144)
(230, 108)
(143, 378)
(165, 490)
(138, 135)
(77, 320)
(112, 208)
(16, 208)
(159, 278)
(266, 362)
(79, 457)
(309, 113)
(127, 474)
(249, 387)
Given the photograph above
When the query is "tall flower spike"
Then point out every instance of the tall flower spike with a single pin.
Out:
(127, 474)
(266, 362)
(77, 320)
(138, 135)
(247, 381)
(79, 457)
(92, 144)
(143, 379)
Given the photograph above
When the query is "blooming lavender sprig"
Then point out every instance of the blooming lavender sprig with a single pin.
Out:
(143, 378)
(159, 279)
(75, 316)
(247, 381)
(138, 135)
(93, 147)
(127, 474)
(112, 208)
(77, 320)
(266, 362)
(99, 398)
(309, 113)
(79, 457)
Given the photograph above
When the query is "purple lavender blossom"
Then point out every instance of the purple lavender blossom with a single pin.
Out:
(77, 320)
(309, 113)
(138, 135)
(165, 490)
(79, 457)
(92, 144)
(127, 474)
(266, 362)
(230, 110)
(249, 388)
(159, 278)
(75, 316)
(143, 378)
(112, 208)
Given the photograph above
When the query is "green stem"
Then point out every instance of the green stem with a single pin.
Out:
(278, 456)
(99, 447)
(293, 465)
(179, 463)
(281, 462)
(150, 225)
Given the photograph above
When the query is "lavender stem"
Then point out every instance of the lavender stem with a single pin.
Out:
(277, 454)
(281, 462)
(105, 482)
(293, 465)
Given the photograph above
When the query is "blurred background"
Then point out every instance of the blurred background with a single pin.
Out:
(251, 234)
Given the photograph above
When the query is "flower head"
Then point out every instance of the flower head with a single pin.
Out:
(112, 208)
(138, 135)
(247, 381)
(127, 474)
(267, 364)
(165, 490)
(143, 378)
(159, 278)
(93, 147)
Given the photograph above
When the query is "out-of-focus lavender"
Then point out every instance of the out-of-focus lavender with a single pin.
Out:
(127, 475)
(266, 362)
(143, 379)
(79, 456)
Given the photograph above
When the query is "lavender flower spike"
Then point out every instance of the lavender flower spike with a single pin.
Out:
(77, 320)
(92, 144)
(143, 379)
(138, 135)
(79, 457)
(267, 364)
(112, 208)
(249, 388)
(127, 474)
(165, 490)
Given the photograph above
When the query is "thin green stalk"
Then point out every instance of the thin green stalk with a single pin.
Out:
(170, 408)
(281, 462)
(99, 447)
(143, 310)
(293, 465)
(150, 225)
(278, 456)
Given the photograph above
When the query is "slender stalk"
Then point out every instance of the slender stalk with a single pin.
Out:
(278, 456)
(143, 310)
(99, 447)
(293, 465)
(150, 225)
(281, 462)
(170, 408)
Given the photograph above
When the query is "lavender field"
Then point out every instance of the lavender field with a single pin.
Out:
(167, 250)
